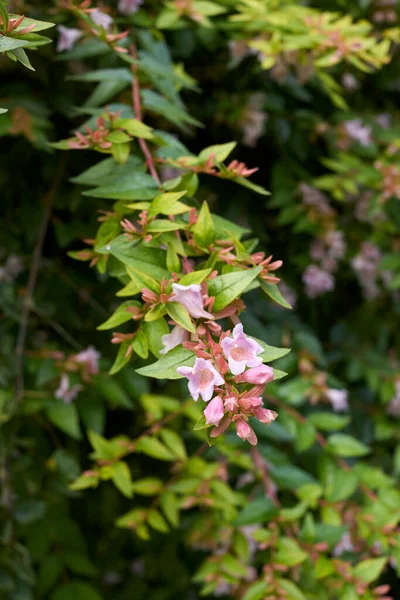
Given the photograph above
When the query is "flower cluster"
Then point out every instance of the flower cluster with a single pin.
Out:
(221, 369)
(365, 265)
(326, 250)
(86, 363)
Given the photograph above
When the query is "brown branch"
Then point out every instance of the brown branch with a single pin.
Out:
(27, 305)
(138, 113)
(322, 442)
(269, 488)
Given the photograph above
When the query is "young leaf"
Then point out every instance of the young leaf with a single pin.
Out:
(204, 229)
(226, 288)
(180, 315)
(166, 367)
(272, 290)
(154, 448)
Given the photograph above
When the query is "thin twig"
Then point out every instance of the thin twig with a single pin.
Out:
(27, 305)
(269, 487)
(57, 327)
(138, 114)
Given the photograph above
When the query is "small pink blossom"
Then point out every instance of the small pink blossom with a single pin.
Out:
(345, 545)
(129, 7)
(241, 351)
(338, 399)
(101, 19)
(256, 375)
(190, 297)
(203, 377)
(214, 411)
(64, 392)
(90, 359)
(359, 132)
(231, 403)
(245, 432)
(264, 415)
(177, 336)
(67, 38)
(317, 281)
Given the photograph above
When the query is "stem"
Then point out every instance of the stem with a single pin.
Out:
(138, 112)
(263, 470)
(27, 305)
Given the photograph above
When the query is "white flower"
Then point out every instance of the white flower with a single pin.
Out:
(67, 38)
(177, 336)
(101, 19)
(338, 399)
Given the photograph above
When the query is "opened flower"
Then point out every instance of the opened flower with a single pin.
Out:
(101, 19)
(214, 411)
(68, 37)
(177, 336)
(241, 351)
(129, 7)
(190, 297)
(203, 377)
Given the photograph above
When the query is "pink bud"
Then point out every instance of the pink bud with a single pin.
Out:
(245, 432)
(230, 403)
(264, 415)
(257, 375)
(214, 411)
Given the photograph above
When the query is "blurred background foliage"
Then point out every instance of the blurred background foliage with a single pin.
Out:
(321, 122)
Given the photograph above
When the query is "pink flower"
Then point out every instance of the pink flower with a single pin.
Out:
(202, 378)
(64, 392)
(68, 37)
(256, 375)
(245, 432)
(317, 281)
(129, 7)
(214, 411)
(177, 336)
(190, 297)
(241, 351)
(358, 132)
(89, 358)
(101, 19)
(264, 415)
(338, 399)
(231, 403)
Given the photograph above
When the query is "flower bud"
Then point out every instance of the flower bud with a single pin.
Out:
(214, 411)
(257, 375)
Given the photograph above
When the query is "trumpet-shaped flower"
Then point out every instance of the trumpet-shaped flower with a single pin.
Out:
(203, 377)
(190, 297)
(241, 351)
(129, 7)
(177, 336)
(257, 375)
(214, 411)
(67, 38)
(101, 19)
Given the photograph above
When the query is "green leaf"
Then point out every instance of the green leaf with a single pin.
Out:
(65, 417)
(8, 43)
(226, 288)
(157, 521)
(154, 448)
(120, 316)
(148, 486)
(195, 277)
(154, 331)
(140, 344)
(370, 569)
(220, 151)
(170, 507)
(50, 571)
(84, 482)
(147, 261)
(272, 290)
(168, 204)
(204, 228)
(289, 553)
(122, 478)
(258, 511)
(174, 442)
(27, 22)
(180, 315)
(163, 225)
(29, 510)
(292, 592)
(256, 591)
(122, 359)
(22, 57)
(327, 421)
(271, 352)
(76, 590)
(143, 280)
(344, 445)
(139, 186)
(165, 367)
(135, 127)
